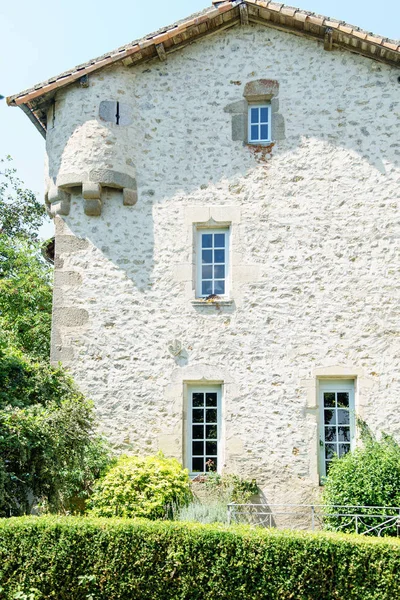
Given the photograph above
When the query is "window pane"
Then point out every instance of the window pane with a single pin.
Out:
(219, 256)
(219, 287)
(254, 132)
(211, 432)
(219, 240)
(327, 466)
(344, 449)
(264, 114)
(343, 417)
(254, 115)
(206, 288)
(197, 432)
(211, 415)
(198, 465)
(211, 463)
(330, 417)
(211, 399)
(264, 132)
(211, 448)
(330, 434)
(198, 415)
(329, 399)
(206, 256)
(206, 272)
(330, 450)
(198, 399)
(344, 434)
(197, 448)
(206, 240)
(219, 271)
(343, 399)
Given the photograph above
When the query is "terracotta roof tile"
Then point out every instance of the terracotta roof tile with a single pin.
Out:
(345, 28)
(288, 10)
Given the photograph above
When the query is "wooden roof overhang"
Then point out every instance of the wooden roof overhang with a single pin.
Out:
(222, 15)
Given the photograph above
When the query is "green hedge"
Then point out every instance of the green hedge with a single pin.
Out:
(68, 558)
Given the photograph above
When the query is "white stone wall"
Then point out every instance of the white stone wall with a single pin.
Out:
(315, 250)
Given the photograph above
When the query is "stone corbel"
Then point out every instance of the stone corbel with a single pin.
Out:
(58, 198)
(58, 201)
(91, 193)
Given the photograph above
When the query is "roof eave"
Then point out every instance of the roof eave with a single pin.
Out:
(220, 16)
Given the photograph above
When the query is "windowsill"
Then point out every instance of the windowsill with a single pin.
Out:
(260, 143)
(212, 302)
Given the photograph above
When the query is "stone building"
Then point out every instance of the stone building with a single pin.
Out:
(225, 194)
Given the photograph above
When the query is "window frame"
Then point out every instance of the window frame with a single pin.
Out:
(199, 264)
(334, 385)
(259, 105)
(189, 454)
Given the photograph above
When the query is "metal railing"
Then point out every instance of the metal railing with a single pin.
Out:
(365, 520)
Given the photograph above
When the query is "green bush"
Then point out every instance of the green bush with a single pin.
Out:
(49, 454)
(80, 558)
(150, 487)
(369, 476)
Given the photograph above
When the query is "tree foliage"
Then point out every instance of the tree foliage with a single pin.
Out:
(148, 487)
(25, 296)
(21, 214)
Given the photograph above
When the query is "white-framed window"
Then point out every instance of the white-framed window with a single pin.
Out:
(259, 120)
(337, 420)
(212, 262)
(204, 428)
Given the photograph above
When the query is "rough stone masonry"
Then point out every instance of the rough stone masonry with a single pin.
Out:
(314, 246)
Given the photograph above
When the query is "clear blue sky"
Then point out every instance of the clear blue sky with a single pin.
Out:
(41, 39)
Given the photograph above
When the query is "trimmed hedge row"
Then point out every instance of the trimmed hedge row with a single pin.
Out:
(70, 558)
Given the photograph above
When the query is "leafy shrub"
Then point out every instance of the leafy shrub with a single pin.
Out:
(75, 558)
(148, 487)
(51, 454)
(368, 476)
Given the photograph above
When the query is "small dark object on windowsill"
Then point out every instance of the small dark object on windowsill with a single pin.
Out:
(212, 297)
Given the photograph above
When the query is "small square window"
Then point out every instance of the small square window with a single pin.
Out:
(259, 123)
(213, 262)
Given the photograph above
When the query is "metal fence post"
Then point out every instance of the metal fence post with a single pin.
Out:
(229, 514)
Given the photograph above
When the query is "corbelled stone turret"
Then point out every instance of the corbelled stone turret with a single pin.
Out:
(87, 146)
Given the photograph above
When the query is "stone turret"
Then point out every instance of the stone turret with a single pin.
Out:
(87, 148)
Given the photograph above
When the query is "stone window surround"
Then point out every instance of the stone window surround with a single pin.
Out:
(176, 395)
(220, 216)
(362, 383)
(256, 92)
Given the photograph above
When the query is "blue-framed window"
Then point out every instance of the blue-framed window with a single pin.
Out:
(213, 262)
(259, 123)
